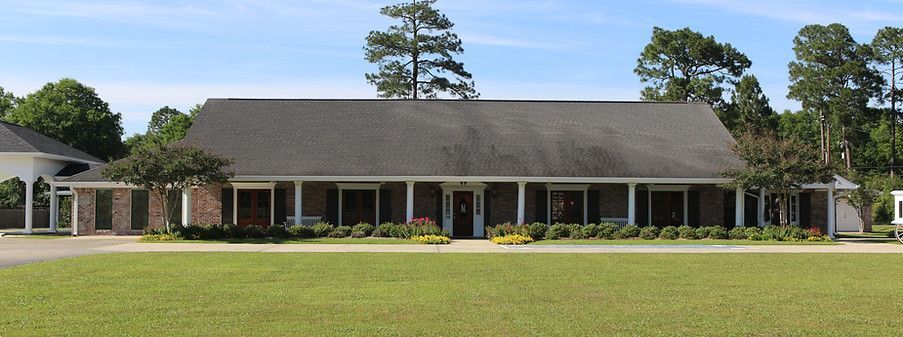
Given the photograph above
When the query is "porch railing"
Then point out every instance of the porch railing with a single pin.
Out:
(621, 222)
(305, 220)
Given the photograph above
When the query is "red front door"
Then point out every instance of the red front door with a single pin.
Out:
(667, 208)
(358, 206)
(254, 207)
(463, 214)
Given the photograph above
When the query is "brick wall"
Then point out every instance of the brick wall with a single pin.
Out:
(122, 211)
(711, 204)
(85, 211)
(818, 200)
(206, 204)
(612, 200)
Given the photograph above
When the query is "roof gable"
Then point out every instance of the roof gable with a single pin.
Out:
(18, 139)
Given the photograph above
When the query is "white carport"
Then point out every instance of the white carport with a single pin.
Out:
(28, 155)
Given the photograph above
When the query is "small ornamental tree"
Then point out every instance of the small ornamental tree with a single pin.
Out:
(169, 169)
(862, 200)
(776, 164)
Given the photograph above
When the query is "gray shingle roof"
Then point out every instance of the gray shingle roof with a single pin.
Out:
(15, 138)
(289, 137)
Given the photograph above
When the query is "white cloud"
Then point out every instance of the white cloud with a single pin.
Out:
(804, 12)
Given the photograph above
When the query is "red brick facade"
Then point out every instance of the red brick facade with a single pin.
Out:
(500, 197)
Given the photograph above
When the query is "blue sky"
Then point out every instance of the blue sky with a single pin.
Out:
(141, 55)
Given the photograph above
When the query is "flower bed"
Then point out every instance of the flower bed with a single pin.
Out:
(425, 230)
(608, 231)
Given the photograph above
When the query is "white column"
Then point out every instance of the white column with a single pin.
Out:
(186, 206)
(738, 208)
(831, 215)
(686, 207)
(234, 205)
(298, 186)
(74, 219)
(631, 203)
(760, 217)
(273, 205)
(521, 198)
(549, 204)
(54, 208)
(409, 207)
(29, 205)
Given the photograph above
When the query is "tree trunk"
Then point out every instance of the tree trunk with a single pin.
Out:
(893, 120)
(164, 202)
(415, 71)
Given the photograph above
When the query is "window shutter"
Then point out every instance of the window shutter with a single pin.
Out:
(226, 201)
(642, 207)
(279, 207)
(693, 208)
(487, 210)
(592, 206)
(176, 216)
(332, 206)
(729, 206)
(438, 216)
(805, 219)
(385, 206)
(541, 206)
(139, 209)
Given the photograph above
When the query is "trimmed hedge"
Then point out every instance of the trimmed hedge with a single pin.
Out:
(557, 231)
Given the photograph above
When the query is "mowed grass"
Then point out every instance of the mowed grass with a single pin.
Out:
(658, 242)
(455, 294)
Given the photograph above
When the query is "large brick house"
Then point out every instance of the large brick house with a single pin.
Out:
(468, 164)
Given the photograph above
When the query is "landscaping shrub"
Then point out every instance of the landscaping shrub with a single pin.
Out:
(737, 233)
(512, 239)
(340, 232)
(431, 239)
(606, 230)
(557, 231)
(322, 229)
(628, 232)
(717, 232)
(669, 233)
(505, 229)
(575, 231)
(780, 233)
(383, 230)
(277, 231)
(649, 233)
(233, 231)
(158, 237)
(537, 230)
(590, 230)
(702, 232)
(364, 227)
(358, 234)
(752, 233)
(686, 232)
(301, 231)
(254, 232)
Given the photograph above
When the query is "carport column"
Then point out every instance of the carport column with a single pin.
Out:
(738, 208)
(521, 198)
(298, 202)
(54, 208)
(409, 207)
(831, 215)
(760, 216)
(186, 206)
(29, 205)
(631, 203)
(74, 219)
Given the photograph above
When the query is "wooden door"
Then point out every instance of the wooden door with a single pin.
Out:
(462, 203)
(254, 207)
(567, 207)
(667, 208)
(358, 206)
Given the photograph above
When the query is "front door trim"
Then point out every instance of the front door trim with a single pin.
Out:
(448, 213)
(252, 186)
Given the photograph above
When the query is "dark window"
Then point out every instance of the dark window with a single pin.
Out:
(103, 209)
(175, 199)
(139, 209)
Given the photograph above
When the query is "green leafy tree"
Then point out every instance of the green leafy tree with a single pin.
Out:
(684, 65)
(167, 125)
(832, 80)
(161, 117)
(887, 48)
(776, 164)
(750, 108)
(862, 200)
(72, 113)
(7, 102)
(167, 170)
(415, 58)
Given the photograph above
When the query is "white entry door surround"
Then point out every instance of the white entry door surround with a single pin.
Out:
(448, 212)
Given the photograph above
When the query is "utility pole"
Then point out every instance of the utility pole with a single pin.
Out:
(845, 145)
(821, 128)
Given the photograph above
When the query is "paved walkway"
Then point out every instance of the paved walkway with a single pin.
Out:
(14, 251)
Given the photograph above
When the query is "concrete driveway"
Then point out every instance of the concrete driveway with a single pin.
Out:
(21, 250)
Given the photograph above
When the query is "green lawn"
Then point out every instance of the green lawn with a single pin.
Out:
(303, 241)
(412, 294)
(679, 242)
(878, 231)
